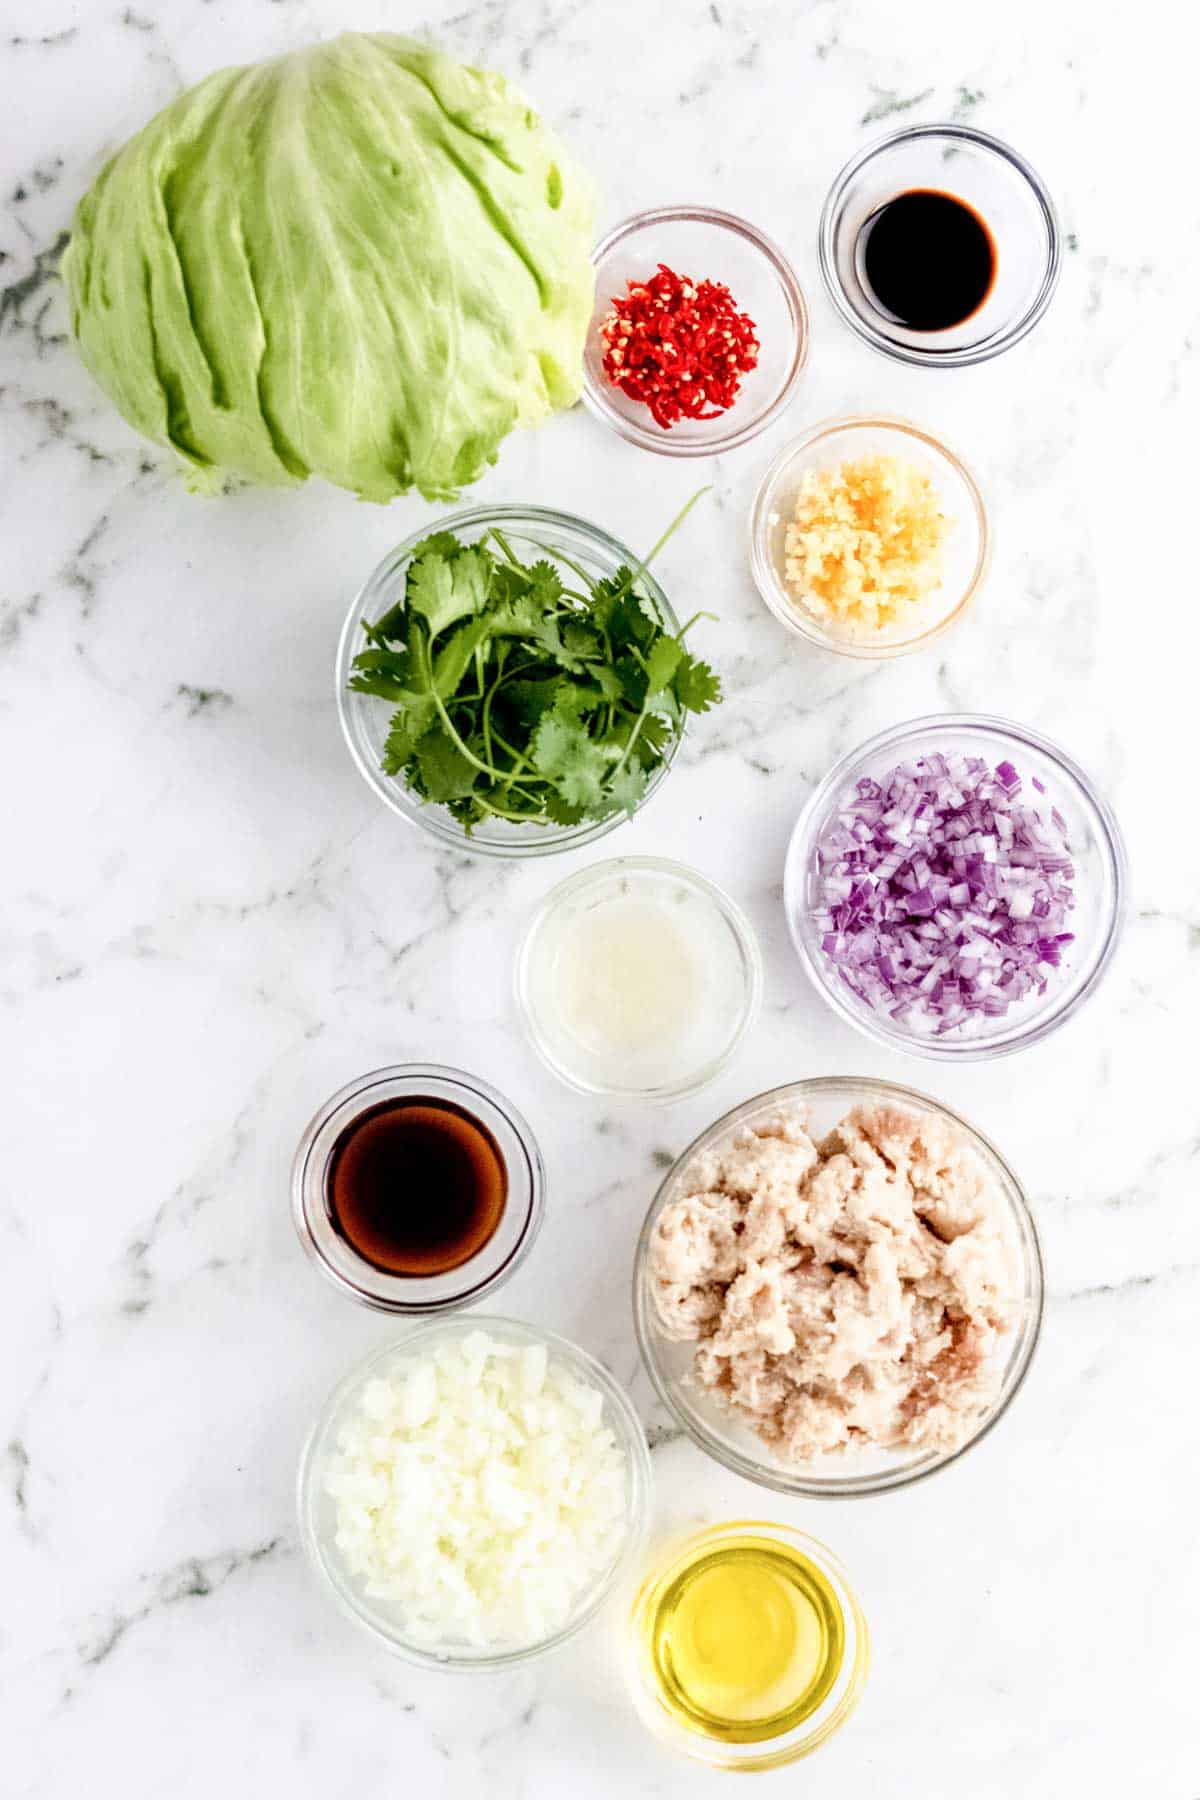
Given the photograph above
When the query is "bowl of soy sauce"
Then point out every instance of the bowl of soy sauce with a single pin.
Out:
(417, 1189)
(940, 246)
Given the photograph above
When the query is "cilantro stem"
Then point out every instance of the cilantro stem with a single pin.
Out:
(672, 528)
(485, 716)
(448, 727)
(633, 738)
(634, 575)
(519, 757)
(498, 537)
(570, 563)
(515, 817)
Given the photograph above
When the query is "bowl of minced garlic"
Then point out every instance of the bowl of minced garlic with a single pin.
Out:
(868, 536)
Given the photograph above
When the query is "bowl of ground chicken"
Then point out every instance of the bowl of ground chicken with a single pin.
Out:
(838, 1287)
(869, 536)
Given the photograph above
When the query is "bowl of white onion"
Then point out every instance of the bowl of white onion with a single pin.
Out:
(472, 1493)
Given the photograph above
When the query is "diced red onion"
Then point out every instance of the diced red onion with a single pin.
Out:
(943, 898)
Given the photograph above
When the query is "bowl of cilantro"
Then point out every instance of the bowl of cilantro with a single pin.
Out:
(516, 682)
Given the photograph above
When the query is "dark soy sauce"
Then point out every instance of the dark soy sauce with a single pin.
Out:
(416, 1187)
(928, 260)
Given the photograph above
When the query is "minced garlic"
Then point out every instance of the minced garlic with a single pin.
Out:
(865, 541)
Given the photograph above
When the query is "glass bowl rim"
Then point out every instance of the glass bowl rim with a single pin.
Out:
(1053, 1014)
(630, 1432)
(731, 913)
(968, 355)
(302, 1175)
(428, 816)
(661, 442)
(778, 1477)
(766, 577)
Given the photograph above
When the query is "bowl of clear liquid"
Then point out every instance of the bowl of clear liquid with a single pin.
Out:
(638, 977)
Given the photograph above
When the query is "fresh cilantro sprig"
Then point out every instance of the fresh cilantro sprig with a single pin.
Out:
(529, 691)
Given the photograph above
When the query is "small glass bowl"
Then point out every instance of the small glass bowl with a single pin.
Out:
(827, 1100)
(1097, 848)
(769, 1753)
(1001, 187)
(317, 1510)
(504, 1251)
(365, 719)
(968, 545)
(705, 244)
(731, 1006)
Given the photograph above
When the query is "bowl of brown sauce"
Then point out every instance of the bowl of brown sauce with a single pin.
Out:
(940, 246)
(417, 1188)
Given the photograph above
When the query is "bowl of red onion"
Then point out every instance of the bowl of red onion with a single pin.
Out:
(955, 887)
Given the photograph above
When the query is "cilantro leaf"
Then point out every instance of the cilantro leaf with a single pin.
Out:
(393, 625)
(563, 751)
(607, 680)
(627, 787)
(569, 644)
(438, 543)
(468, 811)
(560, 813)
(579, 638)
(518, 616)
(471, 570)
(696, 686)
(632, 679)
(508, 584)
(454, 658)
(628, 619)
(442, 592)
(384, 673)
(409, 724)
(545, 585)
(527, 700)
(429, 591)
(652, 742)
(446, 774)
(662, 663)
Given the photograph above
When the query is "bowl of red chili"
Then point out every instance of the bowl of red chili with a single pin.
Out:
(699, 334)
(955, 887)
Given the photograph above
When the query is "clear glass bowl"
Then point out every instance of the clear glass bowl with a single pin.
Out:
(729, 1001)
(317, 1510)
(1006, 192)
(1097, 850)
(769, 1753)
(504, 1251)
(365, 718)
(827, 1099)
(705, 244)
(968, 545)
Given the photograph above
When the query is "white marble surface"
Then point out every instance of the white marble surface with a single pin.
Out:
(209, 923)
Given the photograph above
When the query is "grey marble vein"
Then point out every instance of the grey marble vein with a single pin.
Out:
(196, 1578)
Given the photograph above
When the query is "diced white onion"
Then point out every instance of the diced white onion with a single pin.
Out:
(478, 1492)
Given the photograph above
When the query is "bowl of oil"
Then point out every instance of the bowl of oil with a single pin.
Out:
(748, 1649)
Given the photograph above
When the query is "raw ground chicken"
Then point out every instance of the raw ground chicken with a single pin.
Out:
(850, 1290)
(864, 544)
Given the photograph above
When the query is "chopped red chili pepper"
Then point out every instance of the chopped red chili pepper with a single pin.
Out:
(679, 346)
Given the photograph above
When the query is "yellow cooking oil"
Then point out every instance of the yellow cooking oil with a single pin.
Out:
(745, 1638)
